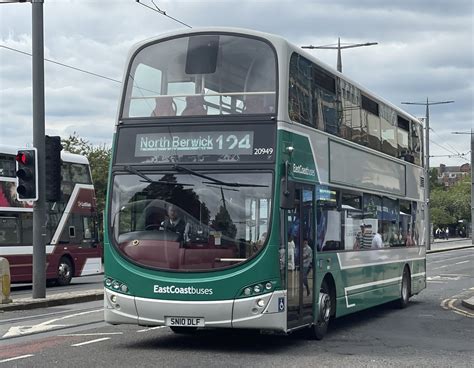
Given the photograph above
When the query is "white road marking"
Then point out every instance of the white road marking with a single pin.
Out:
(16, 358)
(443, 278)
(44, 326)
(450, 259)
(462, 262)
(91, 341)
(437, 268)
(93, 334)
(27, 330)
(151, 328)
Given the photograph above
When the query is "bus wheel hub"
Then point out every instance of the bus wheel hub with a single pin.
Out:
(324, 307)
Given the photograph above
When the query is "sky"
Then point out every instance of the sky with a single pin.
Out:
(425, 50)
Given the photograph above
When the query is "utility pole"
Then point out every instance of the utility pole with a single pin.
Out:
(472, 179)
(39, 209)
(427, 166)
(339, 48)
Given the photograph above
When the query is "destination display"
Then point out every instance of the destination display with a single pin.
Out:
(195, 143)
(223, 143)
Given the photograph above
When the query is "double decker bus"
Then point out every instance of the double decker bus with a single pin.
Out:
(72, 247)
(252, 186)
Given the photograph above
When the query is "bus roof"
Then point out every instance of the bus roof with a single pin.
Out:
(65, 156)
(281, 45)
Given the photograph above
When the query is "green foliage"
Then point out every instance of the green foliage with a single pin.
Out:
(99, 159)
(451, 205)
(434, 180)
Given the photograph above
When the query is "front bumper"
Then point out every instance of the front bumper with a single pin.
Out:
(237, 313)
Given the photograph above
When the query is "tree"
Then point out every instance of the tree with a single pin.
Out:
(433, 178)
(451, 205)
(99, 160)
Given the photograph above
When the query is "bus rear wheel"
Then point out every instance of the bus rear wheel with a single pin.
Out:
(65, 271)
(320, 328)
(405, 290)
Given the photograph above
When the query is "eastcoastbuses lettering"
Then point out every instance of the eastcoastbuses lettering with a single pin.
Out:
(191, 290)
(300, 169)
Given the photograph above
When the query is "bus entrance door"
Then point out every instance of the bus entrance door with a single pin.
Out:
(300, 227)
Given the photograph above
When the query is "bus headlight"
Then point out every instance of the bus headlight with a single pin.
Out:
(262, 287)
(108, 282)
(116, 285)
(261, 303)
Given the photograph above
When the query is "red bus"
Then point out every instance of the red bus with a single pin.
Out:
(72, 248)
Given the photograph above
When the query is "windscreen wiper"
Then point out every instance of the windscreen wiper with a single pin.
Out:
(147, 179)
(180, 168)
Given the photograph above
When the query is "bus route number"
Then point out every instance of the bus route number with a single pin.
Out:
(263, 151)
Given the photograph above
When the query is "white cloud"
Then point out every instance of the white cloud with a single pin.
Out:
(425, 50)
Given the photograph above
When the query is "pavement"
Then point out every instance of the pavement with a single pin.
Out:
(54, 299)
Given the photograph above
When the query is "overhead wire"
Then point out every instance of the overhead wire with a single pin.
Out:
(162, 12)
(446, 142)
(62, 64)
(444, 148)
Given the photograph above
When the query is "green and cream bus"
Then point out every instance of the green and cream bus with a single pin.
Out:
(252, 186)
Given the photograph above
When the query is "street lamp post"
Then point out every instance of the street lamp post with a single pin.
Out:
(39, 208)
(472, 179)
(339, 48)
(427, 166)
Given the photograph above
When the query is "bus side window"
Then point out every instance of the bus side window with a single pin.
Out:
(303, 103)
(9, 233)
(328, 215)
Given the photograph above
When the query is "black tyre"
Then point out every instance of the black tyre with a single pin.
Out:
(405, 290)
(65, 272)
(183, 330)
(320, 328)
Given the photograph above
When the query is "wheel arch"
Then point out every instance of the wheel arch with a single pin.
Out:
(331, 284)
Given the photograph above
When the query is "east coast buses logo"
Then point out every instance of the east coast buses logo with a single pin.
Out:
(300, 169)
(189, 290)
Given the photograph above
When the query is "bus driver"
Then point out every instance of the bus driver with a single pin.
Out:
(175, 224)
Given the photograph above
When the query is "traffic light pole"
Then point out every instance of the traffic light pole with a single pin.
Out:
(39, 209)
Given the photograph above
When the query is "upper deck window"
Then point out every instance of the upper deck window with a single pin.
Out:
(204, 74)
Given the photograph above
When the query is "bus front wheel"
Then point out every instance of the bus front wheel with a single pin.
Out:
(65, 271)
(319, 329)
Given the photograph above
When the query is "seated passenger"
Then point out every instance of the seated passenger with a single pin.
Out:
(164, 106)
(194, 106)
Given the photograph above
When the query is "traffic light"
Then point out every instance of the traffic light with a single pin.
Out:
(27, 175)
(53, 168)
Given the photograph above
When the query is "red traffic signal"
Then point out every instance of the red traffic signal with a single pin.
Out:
(26, 173)
(23, 157)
